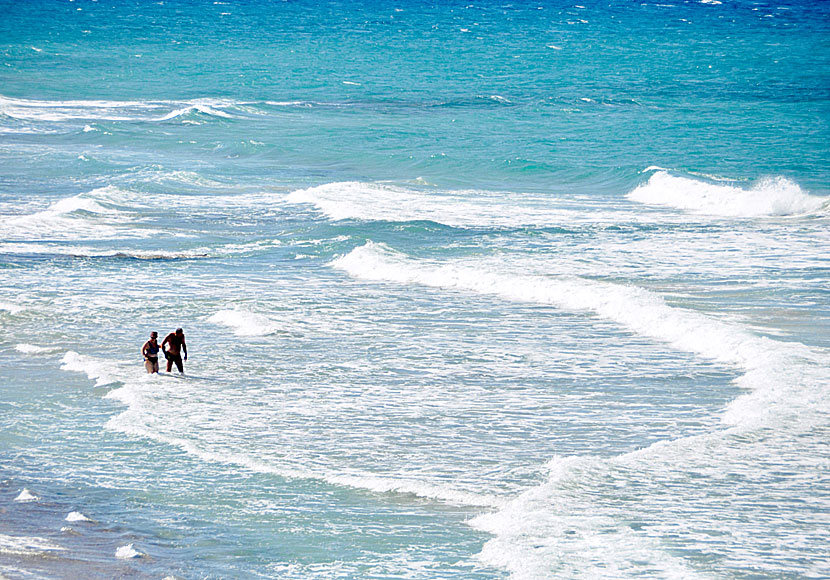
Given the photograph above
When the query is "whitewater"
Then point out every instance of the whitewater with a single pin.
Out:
(474, 291)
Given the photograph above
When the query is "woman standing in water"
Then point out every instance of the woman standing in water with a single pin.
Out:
(150, 350)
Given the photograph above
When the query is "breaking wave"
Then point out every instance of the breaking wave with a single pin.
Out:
(384, 202)
(776, 196)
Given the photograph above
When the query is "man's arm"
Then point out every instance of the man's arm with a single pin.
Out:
(184, 348)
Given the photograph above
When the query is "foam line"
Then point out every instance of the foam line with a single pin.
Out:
(34, 349)
(130, 422)
(139, 389)
(38, 110)
(27, 546)
(637, 309)
(770, 367)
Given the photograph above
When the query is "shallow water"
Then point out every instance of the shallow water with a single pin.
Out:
(470, 291)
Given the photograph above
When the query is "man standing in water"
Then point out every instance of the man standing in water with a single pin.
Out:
(150, 350)
(175, 346)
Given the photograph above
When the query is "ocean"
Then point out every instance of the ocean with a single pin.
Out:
(471, 290)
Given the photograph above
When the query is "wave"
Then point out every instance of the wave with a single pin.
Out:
(76, 251)
(80, 251)
(382, 202)
(565, 526)
(27, 546)
(26, 496)
(42, 110)
(245, 323)
(134, 421)
(128, 552)
(635, 308)
(102, 372)
(188, 178)
(90, 215)
(36, 110)
(777, 196)
(77, 517)
(34, 349)
(304, 104)
(189, 110)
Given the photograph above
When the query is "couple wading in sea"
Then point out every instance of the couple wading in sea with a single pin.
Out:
(173, 346)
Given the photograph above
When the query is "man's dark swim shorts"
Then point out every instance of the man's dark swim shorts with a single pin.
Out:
(177, 359)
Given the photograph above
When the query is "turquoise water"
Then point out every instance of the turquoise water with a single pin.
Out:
(488, 290)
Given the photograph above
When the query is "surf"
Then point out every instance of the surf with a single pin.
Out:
(556, 528)
(768, 197)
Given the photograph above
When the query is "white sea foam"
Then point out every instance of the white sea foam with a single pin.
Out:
(137, 254)
(90, 215)
(77, 203)
(102, 372)
(245, 323)
(77, 517)
(187, 178)
(65, 110)
(290, 103)
(26, 496)
(34, 349)
(142, 393)
(199, 108)
(773, 371)
(11, 308)
(384, 202)
(132, 422)
(57, 221)
(769, 197)
(146, 395)
(552, 532)
(27, 545)
(128, 552)
(41, 110)
(557, 529)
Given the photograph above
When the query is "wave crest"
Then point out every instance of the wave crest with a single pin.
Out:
(777, 196)
(462, 208)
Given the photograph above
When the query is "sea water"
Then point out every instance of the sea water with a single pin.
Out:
(475, 290)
